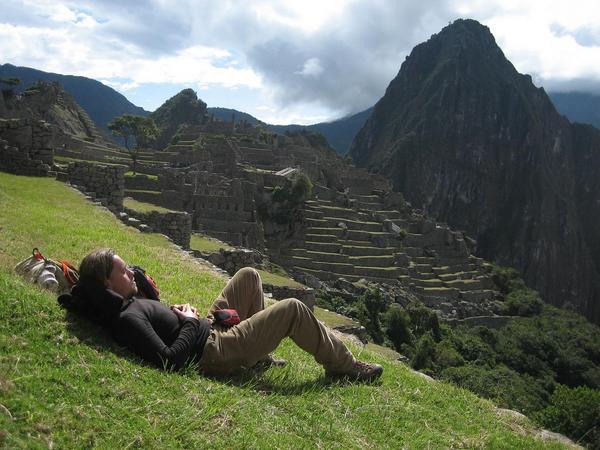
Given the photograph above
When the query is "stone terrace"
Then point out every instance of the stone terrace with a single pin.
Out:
(359, 237)
(355, 227)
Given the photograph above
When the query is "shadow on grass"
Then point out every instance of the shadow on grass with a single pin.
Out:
(281, 383)
(278, 381)
(97, 337)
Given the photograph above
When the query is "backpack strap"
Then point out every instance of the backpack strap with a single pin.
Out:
(69, 270)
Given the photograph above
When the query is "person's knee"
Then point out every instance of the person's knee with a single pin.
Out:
(249, 273)
(293, 304)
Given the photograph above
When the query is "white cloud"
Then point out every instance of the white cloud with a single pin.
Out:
(123, 87)
(307, 16)
(544, 39)
(57, 50)
(305, 60)
(312, 68)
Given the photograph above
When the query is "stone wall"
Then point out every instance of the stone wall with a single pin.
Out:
(107, 183)
(2, 104)
(494, 322)
(14, 160)
(26, 147)
(232, 260)
(176, 225)
(306, 295)
(141, 182)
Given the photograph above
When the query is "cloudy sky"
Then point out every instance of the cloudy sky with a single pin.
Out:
(302, 61)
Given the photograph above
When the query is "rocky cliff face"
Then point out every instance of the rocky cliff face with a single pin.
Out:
(474, 143)
(48, 101)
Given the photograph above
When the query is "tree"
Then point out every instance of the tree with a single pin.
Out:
(397, 324)
(137, 133)
(8, 92)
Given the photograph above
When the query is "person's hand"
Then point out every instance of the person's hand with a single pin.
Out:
(184, 311)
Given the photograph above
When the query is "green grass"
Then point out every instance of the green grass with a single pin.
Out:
(100, 163)
(334, 319)
(143, 207)
(130, 174)
(278, 280)
(207, 244)
(65, 384)
(143, 191)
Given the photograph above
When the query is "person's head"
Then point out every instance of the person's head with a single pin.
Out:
(105, 266)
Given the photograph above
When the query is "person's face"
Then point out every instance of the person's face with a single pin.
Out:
(121, 279)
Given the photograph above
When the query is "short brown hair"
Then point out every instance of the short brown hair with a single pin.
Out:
(97, 265)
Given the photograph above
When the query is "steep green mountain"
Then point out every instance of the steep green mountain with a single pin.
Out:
(475, 144)
(183, 108)
(102, 103)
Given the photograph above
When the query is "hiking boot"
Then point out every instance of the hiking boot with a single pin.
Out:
(361, 371)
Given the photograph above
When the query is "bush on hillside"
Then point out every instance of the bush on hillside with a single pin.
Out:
(370, 307)
(424, 355)
(424, 320)
(286, 199)
(518, 365)
(506, 387)
(507, 279)
(574, 412)
(524, 302)
(397, 327)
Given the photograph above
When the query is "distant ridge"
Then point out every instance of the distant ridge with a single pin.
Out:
(578, 106)
(101, 102)
(339, 133)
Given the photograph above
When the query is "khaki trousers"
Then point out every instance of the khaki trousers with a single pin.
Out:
(261, 330)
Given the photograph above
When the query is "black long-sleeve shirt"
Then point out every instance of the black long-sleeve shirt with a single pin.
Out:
(154, 332)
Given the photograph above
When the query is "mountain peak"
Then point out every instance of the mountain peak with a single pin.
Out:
(475, 144)
(183, 108)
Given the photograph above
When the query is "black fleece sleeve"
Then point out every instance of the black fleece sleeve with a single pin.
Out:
(144, 341)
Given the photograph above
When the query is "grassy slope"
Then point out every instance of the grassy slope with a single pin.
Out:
(143, 207)
(206, 244)
(64, 383)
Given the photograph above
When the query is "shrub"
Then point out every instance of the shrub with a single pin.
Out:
(301, 188)
(397, 327)
(424, 320)
(503, 385)
(447, 356)
(424, 353)
(507, 279)
(286, 199)
(370, 306)
(574, 412)
(523, 302)
(471, 347)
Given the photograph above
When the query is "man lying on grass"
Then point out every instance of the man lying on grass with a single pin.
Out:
(171, 336)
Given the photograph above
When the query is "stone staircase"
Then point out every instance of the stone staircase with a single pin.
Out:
(363, 239)
(343, 242)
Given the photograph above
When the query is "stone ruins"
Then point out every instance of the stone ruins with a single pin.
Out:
(221, 178)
